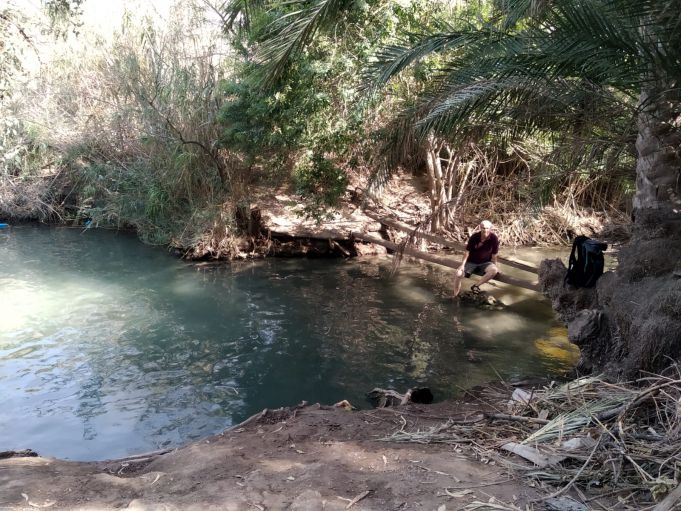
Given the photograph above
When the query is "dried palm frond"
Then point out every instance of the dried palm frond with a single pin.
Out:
(621, 441)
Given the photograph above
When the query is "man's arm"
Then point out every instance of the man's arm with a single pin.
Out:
(465, 258)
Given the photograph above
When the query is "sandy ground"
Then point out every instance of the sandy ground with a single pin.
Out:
(308, 458)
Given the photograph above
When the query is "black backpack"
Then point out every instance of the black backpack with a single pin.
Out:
(586, 262)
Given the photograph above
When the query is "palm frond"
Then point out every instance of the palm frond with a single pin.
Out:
(393, 59)
(513, 11)
(233, 11)
(294, 30)
(397, 145)
(545, 69)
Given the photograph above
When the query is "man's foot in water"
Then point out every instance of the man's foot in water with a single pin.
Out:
(475, 289)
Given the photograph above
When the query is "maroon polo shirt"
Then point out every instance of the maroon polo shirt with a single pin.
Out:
(482, 251)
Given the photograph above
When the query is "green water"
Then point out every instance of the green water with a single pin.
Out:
(109, 347)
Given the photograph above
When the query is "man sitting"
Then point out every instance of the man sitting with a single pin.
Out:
(480, 257)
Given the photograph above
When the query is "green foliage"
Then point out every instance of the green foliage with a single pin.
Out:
(568, 66)
(314, 103)
(136, 198)
(563, 77)
(22, 152)
(132, 125)
(322, 182)
(64, 16)
(157, 130)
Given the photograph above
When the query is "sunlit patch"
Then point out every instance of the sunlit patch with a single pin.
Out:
(281, 466)
(555, 346)
(492, 325)
(354, 456)
(410, 291)
(21, 304)
(509, 295)
(187, 287)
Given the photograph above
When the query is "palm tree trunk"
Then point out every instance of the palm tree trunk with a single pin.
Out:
(658, 168)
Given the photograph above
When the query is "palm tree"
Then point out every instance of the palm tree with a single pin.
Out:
(533, 65)
(290, 33)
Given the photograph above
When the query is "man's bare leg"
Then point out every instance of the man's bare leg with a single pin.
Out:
(490, 273)
(458, 277)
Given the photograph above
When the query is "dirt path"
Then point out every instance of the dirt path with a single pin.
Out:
(312, 458)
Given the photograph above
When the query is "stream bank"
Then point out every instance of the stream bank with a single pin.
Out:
(585, 444)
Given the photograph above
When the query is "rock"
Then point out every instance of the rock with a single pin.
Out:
(345, 405)
(585, 327)
(481, 300)
(26, 453)
(145, 505)
(564, 504)
(365, 249)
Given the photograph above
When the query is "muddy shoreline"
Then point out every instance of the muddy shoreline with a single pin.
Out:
(303, 458)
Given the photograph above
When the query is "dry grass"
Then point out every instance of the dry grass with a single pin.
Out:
(530, 199)
(31, 198)
(615, 446)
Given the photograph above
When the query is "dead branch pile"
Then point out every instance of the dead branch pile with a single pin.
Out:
(32, 198)
(614, 445)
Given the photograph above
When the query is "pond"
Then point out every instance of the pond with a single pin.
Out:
(109, 347)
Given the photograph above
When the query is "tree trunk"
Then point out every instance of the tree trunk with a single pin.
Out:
(434, 168)
(441, 181)
(658, 185)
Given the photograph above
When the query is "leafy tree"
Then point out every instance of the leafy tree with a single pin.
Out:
(307, 115)
(459, 159)
(567, 65)
(16, 37)
(131, 125)
(20, 54)
(64, 16)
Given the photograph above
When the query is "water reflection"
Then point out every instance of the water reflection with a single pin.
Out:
(109, 347)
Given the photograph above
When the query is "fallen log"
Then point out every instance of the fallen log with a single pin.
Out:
(395, 224)
(444, 261)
